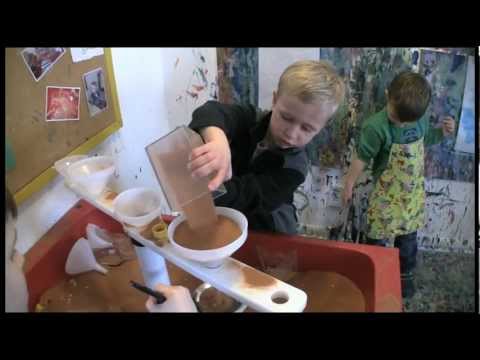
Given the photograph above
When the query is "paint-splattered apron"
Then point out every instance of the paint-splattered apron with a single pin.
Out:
(397, 202)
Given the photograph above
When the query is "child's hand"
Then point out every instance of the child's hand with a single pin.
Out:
(347, 193)
(448, 126)
(178, 300)
(213, 157)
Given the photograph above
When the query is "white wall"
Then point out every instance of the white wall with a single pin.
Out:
(150, 82)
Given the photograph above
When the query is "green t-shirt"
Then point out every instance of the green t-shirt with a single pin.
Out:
(376, 134)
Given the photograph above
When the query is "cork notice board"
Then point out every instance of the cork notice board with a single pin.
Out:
(38, 143)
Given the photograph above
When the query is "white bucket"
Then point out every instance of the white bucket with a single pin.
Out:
(138, 206)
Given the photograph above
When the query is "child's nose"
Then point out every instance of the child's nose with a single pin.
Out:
(292, 133)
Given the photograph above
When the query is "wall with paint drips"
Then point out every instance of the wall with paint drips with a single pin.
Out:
(158, 90)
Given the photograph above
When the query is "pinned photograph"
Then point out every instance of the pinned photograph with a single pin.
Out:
(95, 91)
(82, 54)
(40, 60)
(63, 103)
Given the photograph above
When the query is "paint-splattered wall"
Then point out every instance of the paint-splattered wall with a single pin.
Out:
(238, 75)
(446, 74)
(367, 73)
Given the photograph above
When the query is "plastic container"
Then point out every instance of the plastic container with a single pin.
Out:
(138, 206)
(170, 157)
(92, 173)
(211, 258)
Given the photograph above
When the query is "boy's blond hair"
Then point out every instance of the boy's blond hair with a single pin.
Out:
(312, 81)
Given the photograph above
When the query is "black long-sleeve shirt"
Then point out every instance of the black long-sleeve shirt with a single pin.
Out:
(261, 186)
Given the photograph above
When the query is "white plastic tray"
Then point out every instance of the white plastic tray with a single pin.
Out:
(228, 278)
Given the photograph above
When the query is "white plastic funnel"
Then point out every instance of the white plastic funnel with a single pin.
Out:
(81, 259)
(215, 257)
(97, 237)
(93, 173)
(62, 164)
(138, 206)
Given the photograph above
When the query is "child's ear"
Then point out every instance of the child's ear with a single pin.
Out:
(274, 100)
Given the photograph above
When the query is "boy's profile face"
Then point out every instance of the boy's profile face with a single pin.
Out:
(295, 123)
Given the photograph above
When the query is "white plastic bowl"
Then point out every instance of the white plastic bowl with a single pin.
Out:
(62, 164)
(92, 173)
(138, 206)
(215, 257)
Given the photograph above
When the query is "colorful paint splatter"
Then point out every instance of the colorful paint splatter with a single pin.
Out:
(446, 74)
(238, 75)
(367, 72)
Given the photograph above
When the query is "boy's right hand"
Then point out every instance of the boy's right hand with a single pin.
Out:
(213, 157)
(347, 193)
(178, 300)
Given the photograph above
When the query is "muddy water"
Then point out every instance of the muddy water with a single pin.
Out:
(221, 233)
(329, 292)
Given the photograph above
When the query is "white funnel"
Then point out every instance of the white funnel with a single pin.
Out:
(97, 237)
(81, 259)
(215, 257)
(93, 173)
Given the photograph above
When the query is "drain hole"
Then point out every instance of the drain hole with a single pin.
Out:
(280, 297)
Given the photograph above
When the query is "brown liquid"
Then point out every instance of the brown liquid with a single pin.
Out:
(213, 300)
(110, 196)
(223, 232)
(329, 292)
(200, 212)
(94, 292)
(255, 278)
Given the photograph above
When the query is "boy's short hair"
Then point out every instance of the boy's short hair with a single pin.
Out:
(310, 81)
(409, 93)
(10, 205)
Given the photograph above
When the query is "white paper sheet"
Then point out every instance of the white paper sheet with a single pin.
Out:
(82, 54)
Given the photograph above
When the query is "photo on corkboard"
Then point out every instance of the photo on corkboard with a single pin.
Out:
(62, 103)
(95, 91)
(40, 60)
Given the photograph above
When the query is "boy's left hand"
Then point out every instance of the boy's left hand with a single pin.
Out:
(448, 126)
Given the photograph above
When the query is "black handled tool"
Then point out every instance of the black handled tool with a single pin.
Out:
(160, 298)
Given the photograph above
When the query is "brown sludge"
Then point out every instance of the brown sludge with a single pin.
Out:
(111, 195)
(222, 233)
(213, 300)
(200, 212)
(94, 292)
(329, 292)
(255, 278)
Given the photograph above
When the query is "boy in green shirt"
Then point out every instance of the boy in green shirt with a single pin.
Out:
(394, 139)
